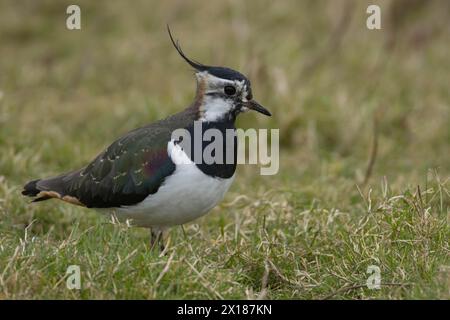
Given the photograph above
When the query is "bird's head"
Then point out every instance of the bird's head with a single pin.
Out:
(222, 93)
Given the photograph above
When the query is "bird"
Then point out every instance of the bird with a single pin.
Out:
(145, 177)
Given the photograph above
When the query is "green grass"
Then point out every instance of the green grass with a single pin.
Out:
(309, 232)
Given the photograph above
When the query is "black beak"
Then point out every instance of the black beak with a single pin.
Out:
(253, 105)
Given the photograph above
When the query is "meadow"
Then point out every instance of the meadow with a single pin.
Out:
(364, 120)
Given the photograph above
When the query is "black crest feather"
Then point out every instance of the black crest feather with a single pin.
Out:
(196, 65)
(220, 72)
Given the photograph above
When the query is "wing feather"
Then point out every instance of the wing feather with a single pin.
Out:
(130, 169)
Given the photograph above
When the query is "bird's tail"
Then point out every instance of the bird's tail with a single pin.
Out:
(31, 190)
(44, 189)
(40, 190)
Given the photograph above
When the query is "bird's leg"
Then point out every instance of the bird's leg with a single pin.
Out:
(156, 239)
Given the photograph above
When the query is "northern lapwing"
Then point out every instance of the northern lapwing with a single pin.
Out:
(139, 178)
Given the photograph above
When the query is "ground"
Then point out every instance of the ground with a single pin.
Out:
(364, 119)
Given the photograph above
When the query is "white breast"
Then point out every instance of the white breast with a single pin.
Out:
(184, 196)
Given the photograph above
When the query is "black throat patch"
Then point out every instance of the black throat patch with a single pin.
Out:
(224, 165)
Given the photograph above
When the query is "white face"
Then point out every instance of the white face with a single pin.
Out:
(221, 98)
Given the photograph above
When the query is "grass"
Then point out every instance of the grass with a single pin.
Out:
(309, 232)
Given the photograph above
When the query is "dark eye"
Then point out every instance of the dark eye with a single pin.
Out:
(229, 90)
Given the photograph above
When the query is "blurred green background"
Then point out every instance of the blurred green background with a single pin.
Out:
(355, 107)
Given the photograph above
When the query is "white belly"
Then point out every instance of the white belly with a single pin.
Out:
(184, 196)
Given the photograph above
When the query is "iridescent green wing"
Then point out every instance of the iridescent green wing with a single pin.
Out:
(125, 173)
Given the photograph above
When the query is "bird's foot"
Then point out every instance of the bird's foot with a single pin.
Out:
(157, 239)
